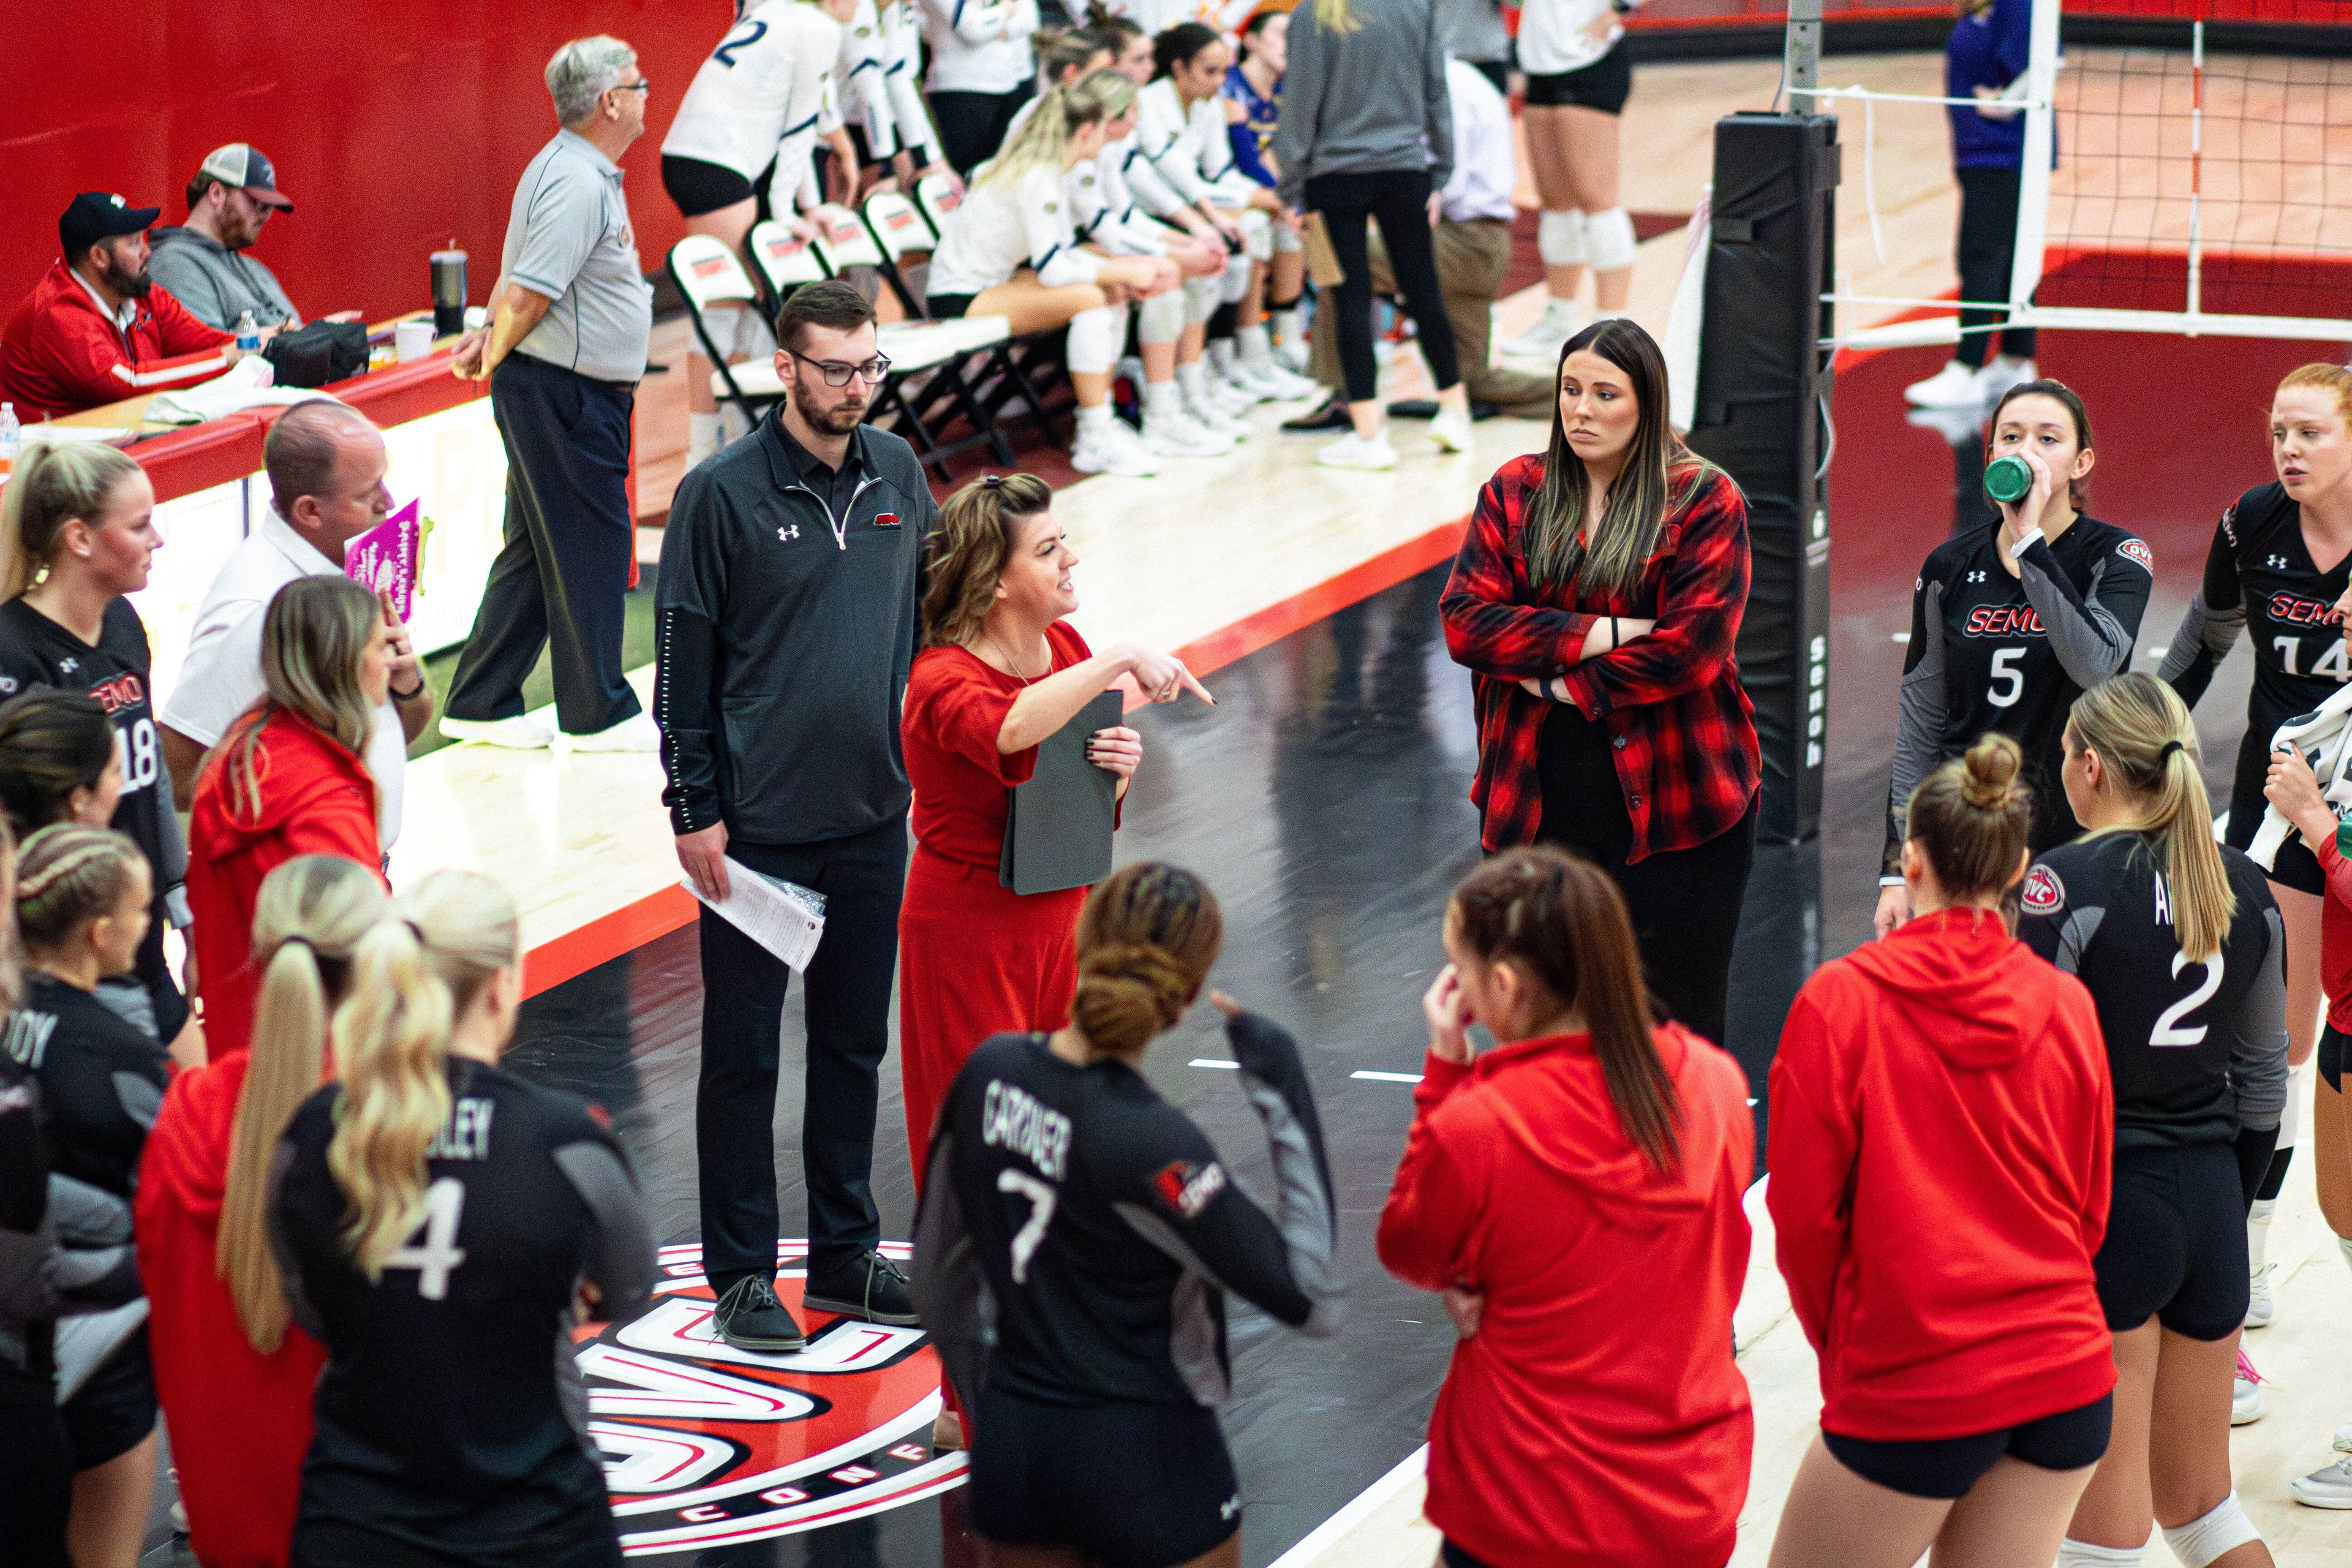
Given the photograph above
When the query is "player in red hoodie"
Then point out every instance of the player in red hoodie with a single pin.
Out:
(289, 778)
(235, 1378)
(1942, 1135)
(1569, 1433)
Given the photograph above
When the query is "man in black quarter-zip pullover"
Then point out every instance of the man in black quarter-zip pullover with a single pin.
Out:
(788, 618)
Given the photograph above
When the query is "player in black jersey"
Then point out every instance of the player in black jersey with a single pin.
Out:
(1073, 1265)
(82, 897)
(2010, 623)
(2265, 569)
(81, 518)
(438, 1222)
(2179, 945)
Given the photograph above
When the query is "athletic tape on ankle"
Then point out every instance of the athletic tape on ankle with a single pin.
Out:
(2200, 1540)
(1559, 238)
(1160, 319)
(1609, 240)
(2073, 1553)
(1095, 338)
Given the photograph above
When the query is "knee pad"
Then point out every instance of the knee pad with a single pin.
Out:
(1201, 296)
(1160, 319)
(2200, 1540)
(1609, 240)
(2073, 1553)
(1559, 238)
(1234, 287)
(1257, 235)
(1095, 338)
(1285, 239)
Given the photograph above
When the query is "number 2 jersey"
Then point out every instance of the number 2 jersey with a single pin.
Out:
(2259, 574)
(1078, 1233)
(2196, 1049)
(451, 1418)
(1989, 651)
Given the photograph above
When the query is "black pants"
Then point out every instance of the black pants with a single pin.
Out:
(973, 124)
(848, 1002)
(562, 575)
(1398, 199)
(1988, 251)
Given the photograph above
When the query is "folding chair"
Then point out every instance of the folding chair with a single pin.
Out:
(782, 261)
(843, 241)
(899, 231)
(936, 195)
(706, 275)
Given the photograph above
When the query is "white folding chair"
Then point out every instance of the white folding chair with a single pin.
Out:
(936, 195)
(707, 275)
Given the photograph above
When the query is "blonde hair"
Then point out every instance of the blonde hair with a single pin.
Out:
(314, 636)
(68, 876)
(411, 977)
(1042, 140)
(54, 482)
(978, 530)
(1337, 16)
(1970, 818)
(1147, 936)
(2334, 378)
(2140, 729)
(309, 917)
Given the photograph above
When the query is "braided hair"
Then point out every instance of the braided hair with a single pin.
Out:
(1146, 939)
(68, 876)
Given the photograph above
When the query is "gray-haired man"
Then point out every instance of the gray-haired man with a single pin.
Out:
(564, 350)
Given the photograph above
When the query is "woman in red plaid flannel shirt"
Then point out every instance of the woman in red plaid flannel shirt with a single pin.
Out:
(1611, 717)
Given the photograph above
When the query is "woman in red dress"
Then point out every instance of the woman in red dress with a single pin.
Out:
(1001, 670)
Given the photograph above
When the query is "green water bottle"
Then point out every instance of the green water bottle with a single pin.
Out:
(2008, 479)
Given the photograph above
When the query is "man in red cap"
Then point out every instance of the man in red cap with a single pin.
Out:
(95, 330)
(208, 265)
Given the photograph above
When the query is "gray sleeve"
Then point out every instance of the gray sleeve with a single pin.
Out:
(139, 1099)
(2205, 629)
(289, 1272)
(2075, 938)
(1305, 1211)
(178, 273)
(2258, 1068)
(1437, 105)
(564, 215)
(1920, 714)
(1302, 104)
(31, 1291)
(950, 1291)
(171, 876)
(621, 1262)
(2090, 641)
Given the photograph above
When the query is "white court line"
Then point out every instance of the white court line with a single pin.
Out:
(1217, 1063)
(1369, 1076)
(1332, 1530)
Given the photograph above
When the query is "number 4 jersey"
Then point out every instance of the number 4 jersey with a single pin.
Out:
(1078, 1233)
(1992, 651)
(450, 1416)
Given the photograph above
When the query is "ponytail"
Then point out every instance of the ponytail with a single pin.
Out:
(54, 482)
(411, 977)
(1043, 139)
(1971, 817)
(309, 917)
(2140, 729)
(1563, 922)
(977, 533)
(1178, 45)
(1146, 937)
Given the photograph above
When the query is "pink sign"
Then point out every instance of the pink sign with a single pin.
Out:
(385, 558)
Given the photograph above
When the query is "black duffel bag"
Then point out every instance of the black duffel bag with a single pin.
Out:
(317, 353)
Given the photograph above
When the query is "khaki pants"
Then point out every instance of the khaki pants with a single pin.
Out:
(1470, 261)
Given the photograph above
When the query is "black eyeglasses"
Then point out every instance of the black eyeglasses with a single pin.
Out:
(643, 84)
(837, 373)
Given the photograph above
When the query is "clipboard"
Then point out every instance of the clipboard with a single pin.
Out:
(1058, 826)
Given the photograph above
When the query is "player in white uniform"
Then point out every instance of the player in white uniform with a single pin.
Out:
(1011, 250)
(982, 71)
(757, 106)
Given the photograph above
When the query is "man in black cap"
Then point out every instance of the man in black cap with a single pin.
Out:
(95, 330)
(205, 264)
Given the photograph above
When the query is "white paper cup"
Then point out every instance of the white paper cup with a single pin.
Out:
(412, 340)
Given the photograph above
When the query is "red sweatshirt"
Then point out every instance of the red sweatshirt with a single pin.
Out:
(240, 1421)
(2335, 936)
(1942, 1139)
(316, 798)
(61, 353)
(1596, 1417)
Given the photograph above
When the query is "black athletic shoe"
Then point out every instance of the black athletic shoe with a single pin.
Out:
(749, 1317)
(871, 1289)
(1332, 415)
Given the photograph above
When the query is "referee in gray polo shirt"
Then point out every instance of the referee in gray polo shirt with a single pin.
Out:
(563, 351)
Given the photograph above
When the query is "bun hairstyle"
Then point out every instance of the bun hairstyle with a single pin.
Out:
(54, 483)
(1563, 923)
(2066, 397)
(1112, 31)
(411, 977)
(1970, 818)
(978, 530)
(1147, 936)
(68, 876)
(2140, 729)
(1179, 45)
(51, 744)
(2334, 378)
(307, 923)
(1061, 51)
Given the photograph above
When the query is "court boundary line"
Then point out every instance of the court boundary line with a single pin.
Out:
(1326, 1535)
(656, 915)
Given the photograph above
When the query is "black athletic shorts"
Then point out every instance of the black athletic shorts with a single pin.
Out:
(113, 1412)
(948, 307)
(2295, 866)
(1946, 1467)
(1129, 1485)
(699, 187)
(1605, 85)
(2331, 1067)
(2175, 1242)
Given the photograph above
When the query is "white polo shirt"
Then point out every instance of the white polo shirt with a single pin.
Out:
(222, 676)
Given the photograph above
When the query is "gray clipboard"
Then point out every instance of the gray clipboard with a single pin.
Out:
(1058, 826)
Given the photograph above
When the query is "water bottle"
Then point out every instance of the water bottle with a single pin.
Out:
(248, 336)
(2008, 479)
(12, 434)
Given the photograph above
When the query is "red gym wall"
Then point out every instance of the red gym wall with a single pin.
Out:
(394, 124)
